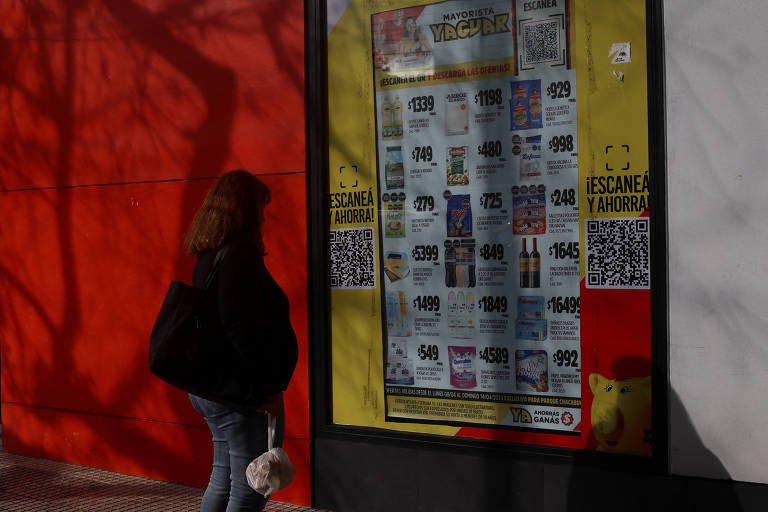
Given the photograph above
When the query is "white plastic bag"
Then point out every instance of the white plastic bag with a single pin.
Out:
(272, 470)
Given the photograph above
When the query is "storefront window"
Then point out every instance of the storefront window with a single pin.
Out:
(489, 220)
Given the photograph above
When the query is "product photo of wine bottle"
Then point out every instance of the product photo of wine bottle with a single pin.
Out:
(534, 265)
(524, 268)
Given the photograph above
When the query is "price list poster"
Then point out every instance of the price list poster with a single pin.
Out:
(488, 308)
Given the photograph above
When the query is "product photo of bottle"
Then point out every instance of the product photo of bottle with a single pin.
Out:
(469, 313)
(450, 267)
(461, 307)
(452, 312)
(524, 267)
(471, 267)
(386, 119)
(460, 267)
(397, 118)
(534, 266)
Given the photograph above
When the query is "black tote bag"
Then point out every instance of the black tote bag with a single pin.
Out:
(186, 347)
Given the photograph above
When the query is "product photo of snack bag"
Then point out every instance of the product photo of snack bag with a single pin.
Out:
(459, 216)
(457, 171)
(525, 105)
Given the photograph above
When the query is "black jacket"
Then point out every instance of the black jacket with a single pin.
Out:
(256, 331)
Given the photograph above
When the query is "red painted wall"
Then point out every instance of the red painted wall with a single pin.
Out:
(117, 115)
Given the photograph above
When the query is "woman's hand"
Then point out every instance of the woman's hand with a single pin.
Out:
(273, 404)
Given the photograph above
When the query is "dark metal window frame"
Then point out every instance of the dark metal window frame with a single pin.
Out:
(318, 292)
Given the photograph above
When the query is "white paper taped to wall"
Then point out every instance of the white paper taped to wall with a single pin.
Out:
(621, 53)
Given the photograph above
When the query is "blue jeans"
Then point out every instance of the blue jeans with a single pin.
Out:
(238, 438)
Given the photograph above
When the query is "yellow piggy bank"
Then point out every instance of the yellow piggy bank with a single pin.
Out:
(621, 414)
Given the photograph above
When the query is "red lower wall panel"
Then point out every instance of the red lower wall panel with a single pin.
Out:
(151, 449)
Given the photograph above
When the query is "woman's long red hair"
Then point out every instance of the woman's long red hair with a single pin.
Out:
(234, 206)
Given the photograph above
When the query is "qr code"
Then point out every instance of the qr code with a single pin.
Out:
(618, 253)
(541, 41)
(352, 258)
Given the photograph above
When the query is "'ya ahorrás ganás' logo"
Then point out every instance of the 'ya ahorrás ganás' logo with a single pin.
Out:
(520, 415)
(469, 23)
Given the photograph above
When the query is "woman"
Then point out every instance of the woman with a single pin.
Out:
(413, 40)
(255, 333)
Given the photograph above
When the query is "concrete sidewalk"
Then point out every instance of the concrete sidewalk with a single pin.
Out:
(28, 484)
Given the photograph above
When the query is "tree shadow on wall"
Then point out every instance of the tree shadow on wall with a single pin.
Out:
(79, 83)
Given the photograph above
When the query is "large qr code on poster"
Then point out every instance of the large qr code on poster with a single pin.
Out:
(352, 258)
(541, 41)
(618, 253)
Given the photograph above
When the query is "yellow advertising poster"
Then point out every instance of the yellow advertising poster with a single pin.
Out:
(473, 151)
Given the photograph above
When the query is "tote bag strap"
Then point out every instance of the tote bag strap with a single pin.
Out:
(271, 424)
(216, 262)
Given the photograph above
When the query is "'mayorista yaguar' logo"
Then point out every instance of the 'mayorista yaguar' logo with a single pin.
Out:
(469, 23)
